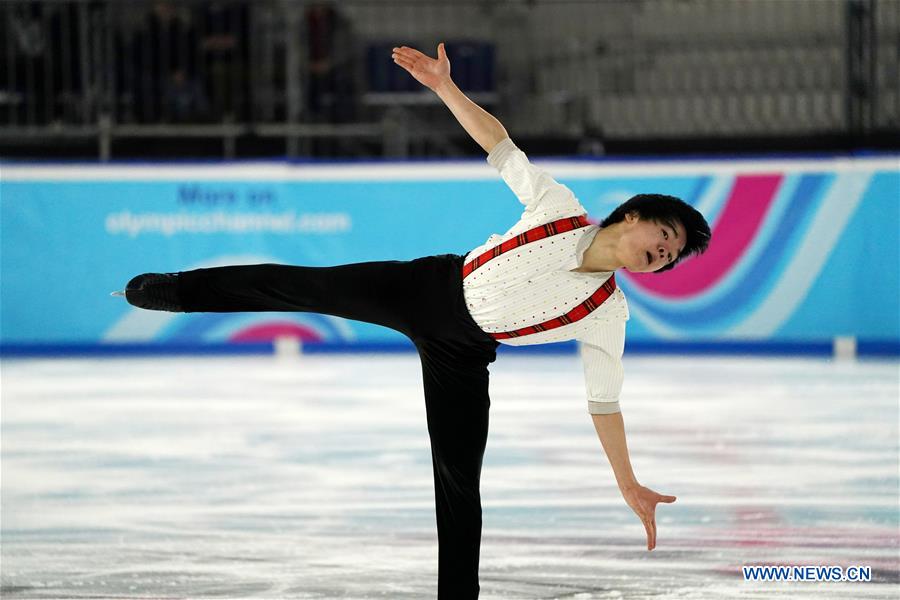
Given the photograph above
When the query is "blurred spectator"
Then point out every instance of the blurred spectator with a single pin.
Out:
(224, 45)
(163, 44)
(26, 47)
(43, 81)
(185, 100)
(331, 83)
(186, 63)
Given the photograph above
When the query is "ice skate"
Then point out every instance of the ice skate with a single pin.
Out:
(153, 291)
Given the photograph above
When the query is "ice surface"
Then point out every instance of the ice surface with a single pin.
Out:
(258, 477)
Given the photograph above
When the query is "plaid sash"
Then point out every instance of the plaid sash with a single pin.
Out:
(532, 235)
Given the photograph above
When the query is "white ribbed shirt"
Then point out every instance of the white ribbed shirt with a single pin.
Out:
(535, 282)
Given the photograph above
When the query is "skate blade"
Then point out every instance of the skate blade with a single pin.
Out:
(122, 294)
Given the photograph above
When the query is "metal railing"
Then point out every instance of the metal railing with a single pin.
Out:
(317, 77)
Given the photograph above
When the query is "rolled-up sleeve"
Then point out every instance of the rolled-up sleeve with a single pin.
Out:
(601, 353)
(532, 185)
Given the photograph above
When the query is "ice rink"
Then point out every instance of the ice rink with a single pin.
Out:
(310, 477)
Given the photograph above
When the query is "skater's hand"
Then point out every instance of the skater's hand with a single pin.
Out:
(426, 70)
(643, 502)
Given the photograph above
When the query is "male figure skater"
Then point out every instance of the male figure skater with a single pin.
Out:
(549, 278)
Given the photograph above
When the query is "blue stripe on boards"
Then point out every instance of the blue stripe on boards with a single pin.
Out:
(865, 348)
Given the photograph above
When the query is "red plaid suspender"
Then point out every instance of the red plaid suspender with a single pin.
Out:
(576, 314)
(533, 235)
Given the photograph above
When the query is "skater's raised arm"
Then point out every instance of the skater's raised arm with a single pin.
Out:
(611, 430)
(434, 74)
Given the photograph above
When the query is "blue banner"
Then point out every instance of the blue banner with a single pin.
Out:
(803, 251)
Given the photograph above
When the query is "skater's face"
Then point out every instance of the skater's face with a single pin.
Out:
(646, 245)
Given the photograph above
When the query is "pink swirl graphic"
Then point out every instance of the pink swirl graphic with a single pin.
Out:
(267, 332)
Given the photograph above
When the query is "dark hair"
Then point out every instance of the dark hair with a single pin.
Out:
(667, 210)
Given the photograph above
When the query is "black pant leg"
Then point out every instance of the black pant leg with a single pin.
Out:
(457, 407)
(383, 292)
(424, 300)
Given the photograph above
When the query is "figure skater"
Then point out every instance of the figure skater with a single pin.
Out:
(549, 278)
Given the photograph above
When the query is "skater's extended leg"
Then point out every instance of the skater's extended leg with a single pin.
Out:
(457, 406)
(383, 293)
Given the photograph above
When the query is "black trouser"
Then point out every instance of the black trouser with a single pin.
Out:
(422, 299)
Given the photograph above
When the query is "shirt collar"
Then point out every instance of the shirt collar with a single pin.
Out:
(584, 243)
(590, 232)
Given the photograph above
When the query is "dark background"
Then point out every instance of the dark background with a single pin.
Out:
(311, 80)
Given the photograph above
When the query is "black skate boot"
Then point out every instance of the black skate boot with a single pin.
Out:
(154, 291)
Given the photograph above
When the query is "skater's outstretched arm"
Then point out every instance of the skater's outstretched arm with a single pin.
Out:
(435, 75)
(611, 430)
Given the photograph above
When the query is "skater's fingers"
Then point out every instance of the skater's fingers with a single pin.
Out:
(667, 499)
(648, 527)
(411, 53)
(403, 62)
(403, 56)
(404, 52)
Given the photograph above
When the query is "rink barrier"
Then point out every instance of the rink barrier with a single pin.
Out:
(803, 249)
(823, 349)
